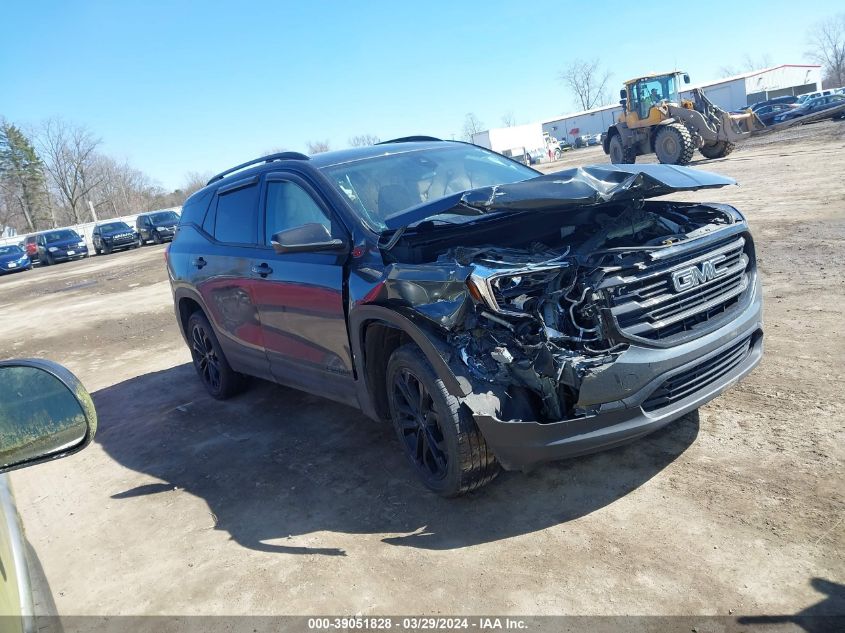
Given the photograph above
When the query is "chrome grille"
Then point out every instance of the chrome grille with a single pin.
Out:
(647, 305)
(688, 382)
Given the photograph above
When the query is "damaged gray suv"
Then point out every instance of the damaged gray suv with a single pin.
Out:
(498, 318)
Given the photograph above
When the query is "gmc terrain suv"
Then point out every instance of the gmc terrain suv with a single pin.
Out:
(496, 316)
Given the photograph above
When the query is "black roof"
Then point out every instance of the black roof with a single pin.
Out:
(327, 159)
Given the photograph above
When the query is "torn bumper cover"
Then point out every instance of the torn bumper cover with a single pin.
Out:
(642, 391)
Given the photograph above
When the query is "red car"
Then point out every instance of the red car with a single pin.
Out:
(30, 247)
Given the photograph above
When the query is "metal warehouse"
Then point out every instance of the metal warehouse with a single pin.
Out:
(732, 93)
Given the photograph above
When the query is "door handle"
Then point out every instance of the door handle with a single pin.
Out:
(262, 269)
(199, 262)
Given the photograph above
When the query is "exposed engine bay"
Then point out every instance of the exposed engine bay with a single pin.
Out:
(538, 319)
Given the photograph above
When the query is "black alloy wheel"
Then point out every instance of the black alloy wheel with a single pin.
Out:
(419, 427)
(435, 429)
(205, 357)
(157, 237)
(218, 377)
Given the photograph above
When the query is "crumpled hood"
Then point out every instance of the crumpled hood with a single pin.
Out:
(593, 184)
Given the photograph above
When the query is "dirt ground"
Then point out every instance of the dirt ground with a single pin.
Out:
(278, 502)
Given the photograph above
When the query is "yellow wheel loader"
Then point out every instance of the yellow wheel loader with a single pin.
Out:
(656, 119)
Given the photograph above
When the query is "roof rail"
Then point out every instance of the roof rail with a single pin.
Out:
(264, 159)
(410, 139)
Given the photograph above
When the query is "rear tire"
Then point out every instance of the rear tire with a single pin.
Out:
(619, 154)
(436, 432)
(218, 377)
(673, 144)
(719, 149)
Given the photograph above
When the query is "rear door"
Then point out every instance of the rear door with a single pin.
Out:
(220, 268)
(300, 296)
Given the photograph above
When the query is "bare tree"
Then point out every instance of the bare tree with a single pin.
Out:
(508, 119)
(472, 125)
(69, 153)
(587, 80)
(827, 47)
(318, 147)
(194, 181)
(749, 64)
(363, 140)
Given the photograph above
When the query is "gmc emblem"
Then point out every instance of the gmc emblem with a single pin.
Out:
(693, 276)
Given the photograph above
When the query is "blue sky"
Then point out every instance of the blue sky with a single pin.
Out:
(176, 87)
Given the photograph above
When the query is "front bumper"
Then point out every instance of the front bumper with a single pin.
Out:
(65, 255)
(636, 400)
(16, 267)
(167, 234)
(117, 244)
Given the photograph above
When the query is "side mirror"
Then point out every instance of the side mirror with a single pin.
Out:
(686, 78)
(623, 94)
(45, 413)
(308, 238)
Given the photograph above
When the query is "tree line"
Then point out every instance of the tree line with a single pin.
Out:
(56, 175)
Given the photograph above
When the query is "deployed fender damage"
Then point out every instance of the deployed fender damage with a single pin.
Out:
(537, 305)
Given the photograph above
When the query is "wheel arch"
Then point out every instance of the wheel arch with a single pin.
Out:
(376, 332)
(186, 303)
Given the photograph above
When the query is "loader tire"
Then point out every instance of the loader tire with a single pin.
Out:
(619, 154)
(719, 149)
(673, 144)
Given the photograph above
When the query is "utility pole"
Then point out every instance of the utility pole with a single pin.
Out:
(93, 212)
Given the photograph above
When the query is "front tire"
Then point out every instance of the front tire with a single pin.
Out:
(436, 432)
(673, 144)
(619, 154)
(217, 376)
(719, 149)
(157, 238)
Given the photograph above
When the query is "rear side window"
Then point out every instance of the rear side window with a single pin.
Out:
(237, 215)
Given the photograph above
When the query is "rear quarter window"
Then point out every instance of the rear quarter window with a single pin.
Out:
(236, 219)
(195, 208)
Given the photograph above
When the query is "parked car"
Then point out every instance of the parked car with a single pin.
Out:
(113, 236)
(45, 414)
(60, 245)
(13, 259)
(787, 100)
(495, 316)
(30, 246)
(158, 226)
(767, 113)
(582, 141)
(814, 95)
(813, 106)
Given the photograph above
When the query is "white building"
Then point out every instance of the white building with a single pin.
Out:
(740, 91)
(732, 93)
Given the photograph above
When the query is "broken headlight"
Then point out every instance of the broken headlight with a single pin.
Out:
(515, 292)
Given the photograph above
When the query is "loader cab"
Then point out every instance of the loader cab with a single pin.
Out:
(643, 93)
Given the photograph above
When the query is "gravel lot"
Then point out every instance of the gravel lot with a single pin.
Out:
(278, 502)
